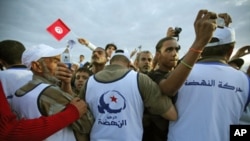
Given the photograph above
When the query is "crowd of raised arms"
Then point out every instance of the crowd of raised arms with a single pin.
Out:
(155, 97)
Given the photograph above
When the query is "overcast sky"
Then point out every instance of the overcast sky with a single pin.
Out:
(127, 23)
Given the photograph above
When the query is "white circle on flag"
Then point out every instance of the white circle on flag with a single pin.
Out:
(58, 30)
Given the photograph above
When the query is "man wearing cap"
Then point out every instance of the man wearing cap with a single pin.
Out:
(213, 96)
(117, 96)
(43, 96)
(16, 75)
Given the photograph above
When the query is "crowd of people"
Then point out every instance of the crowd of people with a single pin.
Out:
(156, 97)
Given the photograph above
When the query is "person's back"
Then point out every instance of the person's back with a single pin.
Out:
(213, 96)
(119, 109)
(16, 74)
(117, 97)
(209, 102)
(157, 103)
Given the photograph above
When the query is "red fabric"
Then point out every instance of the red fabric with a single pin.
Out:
(58, 29)
(34, 129)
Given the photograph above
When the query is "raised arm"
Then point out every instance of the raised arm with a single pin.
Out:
(242, 52)
(87, 43)
(204, 25)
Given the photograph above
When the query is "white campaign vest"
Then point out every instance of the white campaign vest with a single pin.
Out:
(212, 98)
(12, 79)
(117, 108)
(26, 106)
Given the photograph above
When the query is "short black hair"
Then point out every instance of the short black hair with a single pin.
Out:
(110, 44)
(161, 41)
(11, 51)
(219, 50)
(139, 54)
(106, 54)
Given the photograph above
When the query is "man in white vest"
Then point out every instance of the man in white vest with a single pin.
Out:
(16, 74)
(117, 95)
(213, 96)
(44, 95)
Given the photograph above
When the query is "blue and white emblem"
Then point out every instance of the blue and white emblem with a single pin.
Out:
(111, 102)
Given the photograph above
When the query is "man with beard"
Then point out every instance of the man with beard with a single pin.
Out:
(99, 59)
(106, 92)
(12, 78)
(143, 61)
(43, 95)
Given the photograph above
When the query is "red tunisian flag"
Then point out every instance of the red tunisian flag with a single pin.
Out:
(58, 29)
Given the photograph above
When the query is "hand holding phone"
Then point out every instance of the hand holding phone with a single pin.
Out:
(220, 22)
(227, 18)
(65, 58)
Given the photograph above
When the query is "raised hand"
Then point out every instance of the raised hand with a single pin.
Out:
(87, 43)
(242, 52)
(205, 25)
(170, 32)
(83, 41)
(64, 74)
(227, 18)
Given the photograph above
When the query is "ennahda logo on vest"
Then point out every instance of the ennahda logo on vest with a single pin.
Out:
(111, 102)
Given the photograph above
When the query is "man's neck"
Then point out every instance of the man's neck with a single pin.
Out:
(16, 66)
(97, 67)
(214, 59)
(165, 69)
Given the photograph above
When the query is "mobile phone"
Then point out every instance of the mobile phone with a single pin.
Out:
(65, 58)
(220, 22)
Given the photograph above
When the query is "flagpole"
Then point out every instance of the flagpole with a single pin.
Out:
(75, 34)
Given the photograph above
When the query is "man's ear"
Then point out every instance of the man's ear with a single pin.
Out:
(136, 63)
(228, 55)
(157, 55)
(36, 66)
(4, 64)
